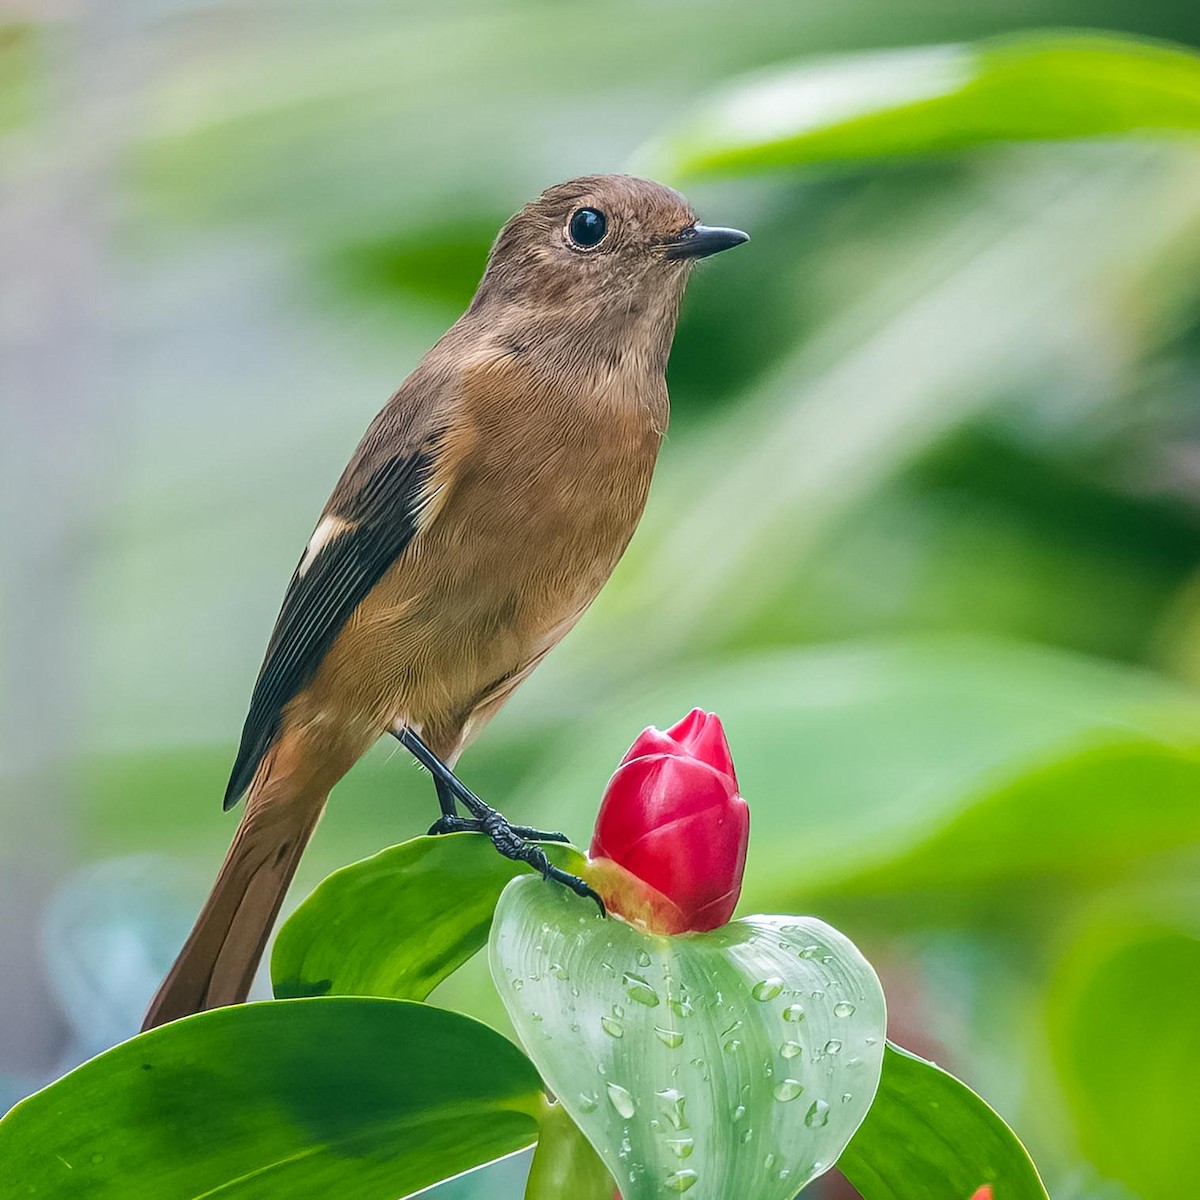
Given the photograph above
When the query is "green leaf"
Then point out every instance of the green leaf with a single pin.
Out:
(1127, 1047)
(929, 1137)
(359, 1099)
(397, 923)
(738, 1061)
(936, 99)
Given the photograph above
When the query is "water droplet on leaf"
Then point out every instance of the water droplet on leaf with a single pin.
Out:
(612, 1027)
(843, 1008)
(673, 1101)
(788, 1089)
(791, 1049)
(640, 991)
(621, 1100)
(671, 1038)
(832, 1046)
(793, 1013)
(817, 1115)
(681, 1181)
(767, 989)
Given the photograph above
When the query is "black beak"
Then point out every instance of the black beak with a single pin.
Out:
(699, 241)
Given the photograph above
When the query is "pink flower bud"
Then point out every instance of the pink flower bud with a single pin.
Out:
(672, 819)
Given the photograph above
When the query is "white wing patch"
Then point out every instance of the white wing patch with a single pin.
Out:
(329, 528)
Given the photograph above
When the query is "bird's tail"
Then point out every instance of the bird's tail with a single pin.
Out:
(217, 963)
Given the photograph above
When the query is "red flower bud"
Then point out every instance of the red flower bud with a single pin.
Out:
(672, 819)
(984, 1193)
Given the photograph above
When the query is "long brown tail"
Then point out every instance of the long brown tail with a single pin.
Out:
(217, 963)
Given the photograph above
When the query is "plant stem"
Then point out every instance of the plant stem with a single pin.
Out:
(565, 1164)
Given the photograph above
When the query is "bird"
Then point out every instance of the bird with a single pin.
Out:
(485, 507)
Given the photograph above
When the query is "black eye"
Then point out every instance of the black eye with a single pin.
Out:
(587, 227)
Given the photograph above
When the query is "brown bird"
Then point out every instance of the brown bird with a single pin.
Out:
(481, 513)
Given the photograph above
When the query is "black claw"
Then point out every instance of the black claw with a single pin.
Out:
(576, 885)
(538, 835)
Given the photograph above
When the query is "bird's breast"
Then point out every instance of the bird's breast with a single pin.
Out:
(534, 497)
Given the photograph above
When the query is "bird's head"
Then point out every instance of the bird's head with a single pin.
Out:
(609, 251)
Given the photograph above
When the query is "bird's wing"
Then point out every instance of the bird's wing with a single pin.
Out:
(369, 521)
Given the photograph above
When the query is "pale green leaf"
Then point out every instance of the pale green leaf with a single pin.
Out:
(736, 1063)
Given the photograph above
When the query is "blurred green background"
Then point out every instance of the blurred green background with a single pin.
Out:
(926, 531)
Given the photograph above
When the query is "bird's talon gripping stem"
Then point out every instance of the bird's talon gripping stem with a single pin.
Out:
(517, 842)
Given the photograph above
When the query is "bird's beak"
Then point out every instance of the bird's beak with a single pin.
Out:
(699, 241)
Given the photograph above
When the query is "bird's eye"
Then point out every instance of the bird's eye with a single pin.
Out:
(587, 227)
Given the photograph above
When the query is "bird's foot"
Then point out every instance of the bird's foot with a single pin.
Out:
(449, 824)
(516, 842)
(519, 843)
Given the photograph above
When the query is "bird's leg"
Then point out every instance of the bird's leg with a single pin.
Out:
(513, 841)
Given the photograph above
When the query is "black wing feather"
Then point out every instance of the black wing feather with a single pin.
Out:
(319, 602)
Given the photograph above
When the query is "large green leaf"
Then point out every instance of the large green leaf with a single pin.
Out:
(929, 1137)
(362, 1099)
(1126, 1044)
(933, 99)
(737, 1062)
(397, 923)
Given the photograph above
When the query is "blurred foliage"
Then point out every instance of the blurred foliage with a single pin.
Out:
(935, 99)
(926, 532)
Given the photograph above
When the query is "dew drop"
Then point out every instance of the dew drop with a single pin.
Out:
(791, 1049)
(793, 1013)
(681, 1181)
(843, 1008)
(640, 991)
(747, 1136)
(788, 1089)
(518, 984)
(671, 1038)
(809, 952)
(643, 958)
(847, 1097)
(681, 1147)
(588, 1101)
(817, 1115)
(768, 1162)
(832, 1046)
(536, 1017)
(680, 1006)
(612, 1027)
(732, 1046)
(673, 1101)
(559, 971)
(767, 989)
(738, 1113)
(618, 1010)
(621, 1100)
